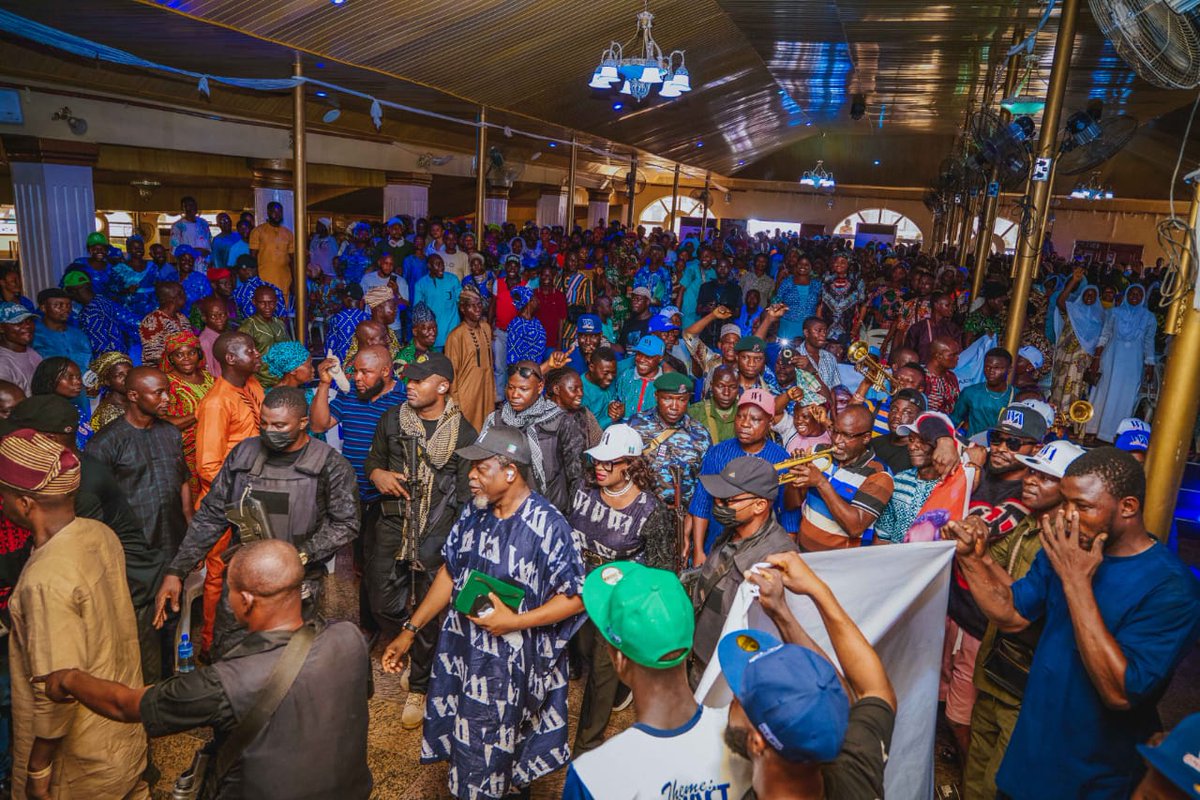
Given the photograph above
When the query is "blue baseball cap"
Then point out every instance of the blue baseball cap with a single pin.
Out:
(12, 313)
(650, 346)
(661, 323)
(588, 323)
(1175, 756)
(791, 695)
(1133, 441)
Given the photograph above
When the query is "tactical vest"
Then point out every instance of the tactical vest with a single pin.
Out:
(315, 745)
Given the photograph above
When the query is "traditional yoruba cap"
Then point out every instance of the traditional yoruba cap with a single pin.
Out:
(1174, 757)
(76, 277)
(422, 313)
(283, 357)
(745, 474)
(378, 296)
(673, 383)
(470, 293)
(649, 346)
(617, 441)
(215, 274)
(428, 364)
(103, 363)
(643, 612)
(750, 344)
(930, 426)
(1132, 424)
(96, 238)
(1032, 355)
(1018, 421)
(729, 329)
(644, 292)
(791, 695)
(588, 323)
(760, 398)
(46, 413)
(498, 440)
(661, 323)
(1054, 458)
(185, 250)
(33, 462)
(521, 295)
(1133, 441)
(11, 313)
(53, 293)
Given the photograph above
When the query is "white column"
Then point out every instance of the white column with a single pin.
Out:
(271, 180)
(55, 206)
(265, 195)
(551, 207)
(406, 194)
(495, 205)
(597, 207)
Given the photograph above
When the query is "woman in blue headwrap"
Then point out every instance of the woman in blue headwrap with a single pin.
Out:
(1125, 357)
(526, 334)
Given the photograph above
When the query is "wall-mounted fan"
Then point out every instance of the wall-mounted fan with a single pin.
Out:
(1089, 139)
(1003, 145)
(1160, 39)
(701, 196)
(499, 171)
(635, 183)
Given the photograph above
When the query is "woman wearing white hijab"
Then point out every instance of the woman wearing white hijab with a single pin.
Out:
(1125, 352)
(1077, 326)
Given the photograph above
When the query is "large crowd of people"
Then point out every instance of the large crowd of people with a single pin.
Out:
(558, 455)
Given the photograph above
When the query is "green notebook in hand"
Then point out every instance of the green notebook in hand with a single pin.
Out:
(474, 595)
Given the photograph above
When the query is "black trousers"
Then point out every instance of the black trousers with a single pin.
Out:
(599, 693)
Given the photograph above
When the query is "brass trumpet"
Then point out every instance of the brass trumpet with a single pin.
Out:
(859, 354)
(1075, 417)
(822, 455)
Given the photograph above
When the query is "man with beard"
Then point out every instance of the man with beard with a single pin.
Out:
(434, 489)
(1004, 659)
(599, 393)
(1119, 613)
(358, 413)
(274, 247)
(307, 491)
(996, 500)
(513, 540)
(637, 324)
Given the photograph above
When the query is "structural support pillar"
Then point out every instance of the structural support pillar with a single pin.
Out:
(406, 194)
(55, 205)
(569, 222)
(550, 205)
(481, 149)
(1178, 400)
(495, 205)
(1029, 246)
(964, 231)
(598, 205)
(630, 186)
(675, 201)
(300, 200)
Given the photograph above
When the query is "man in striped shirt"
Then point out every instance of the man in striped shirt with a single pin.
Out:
(841, 502)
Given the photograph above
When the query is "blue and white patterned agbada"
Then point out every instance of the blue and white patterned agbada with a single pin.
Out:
(496, 713)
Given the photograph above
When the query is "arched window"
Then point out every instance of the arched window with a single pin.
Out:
(1004, 235)
(120, 226)
(905, 230)
(658, 213)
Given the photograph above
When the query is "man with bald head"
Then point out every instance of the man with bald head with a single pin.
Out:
(371, 332)
(941, 384)
(329, 693)
(10, 395)
(841, 500)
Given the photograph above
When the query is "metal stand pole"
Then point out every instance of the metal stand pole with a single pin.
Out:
(481, 146)
(300, 209)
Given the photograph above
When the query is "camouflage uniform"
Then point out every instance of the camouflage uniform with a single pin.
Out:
(686, 449)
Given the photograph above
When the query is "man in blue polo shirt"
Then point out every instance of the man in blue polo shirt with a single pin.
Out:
(589, 333)
(1119, 613)
(636, 376)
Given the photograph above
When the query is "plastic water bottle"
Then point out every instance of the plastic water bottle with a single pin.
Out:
(187, 663)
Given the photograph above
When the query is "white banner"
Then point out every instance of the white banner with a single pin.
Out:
(897, 596)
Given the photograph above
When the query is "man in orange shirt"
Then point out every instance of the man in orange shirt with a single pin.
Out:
(274, 246)
(229, 413)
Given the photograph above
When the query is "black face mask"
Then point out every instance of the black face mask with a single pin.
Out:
(277, 441)
(726, 516)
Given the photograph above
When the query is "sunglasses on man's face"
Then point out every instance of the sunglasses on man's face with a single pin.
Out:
(524, 372)
(1013, 443)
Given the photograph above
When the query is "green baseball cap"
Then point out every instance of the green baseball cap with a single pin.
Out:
(643, 612)
(96, 238)
(75, 278)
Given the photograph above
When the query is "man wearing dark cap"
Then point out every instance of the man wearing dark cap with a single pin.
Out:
(497, 704)
(752, 366)
(790, 715)
(891, 448)
(419, 503)
(743, 497)
(70, 607)
(675, 442)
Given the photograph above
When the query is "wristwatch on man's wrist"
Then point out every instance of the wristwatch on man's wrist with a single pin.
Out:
(408, 626)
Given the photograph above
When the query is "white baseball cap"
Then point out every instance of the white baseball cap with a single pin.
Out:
(618, 441)
(1053, 458)
(1132, 424)
(1041, 407)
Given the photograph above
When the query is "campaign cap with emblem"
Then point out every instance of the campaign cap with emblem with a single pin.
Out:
(1054, 458)
(750, 344)
(649, 346)
(661, 323)
(1022, 421)
(428, 364)
(643, 612)
(744, 475)
(1133, 441)
(589, 323)
(1177, 756)
(617, 441)
(12, 313)
(673, 383)
(791, 694)
(498, 440)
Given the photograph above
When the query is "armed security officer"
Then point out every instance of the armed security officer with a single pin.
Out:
(281, 484)
(323, 686)
(419, 507)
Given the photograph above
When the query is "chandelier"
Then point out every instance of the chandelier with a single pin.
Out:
(641, 72)
(818, 177)
(1092, 189)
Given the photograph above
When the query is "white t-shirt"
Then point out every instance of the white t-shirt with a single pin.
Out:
(18, 367)
(644, 763)
(456, 263)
